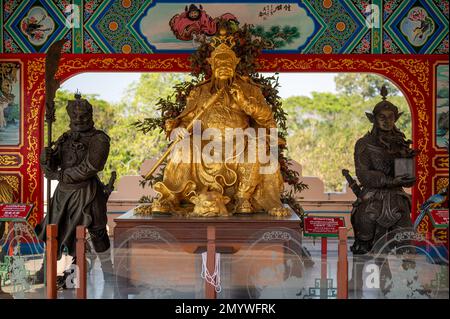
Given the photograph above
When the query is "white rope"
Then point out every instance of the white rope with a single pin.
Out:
(213, 279)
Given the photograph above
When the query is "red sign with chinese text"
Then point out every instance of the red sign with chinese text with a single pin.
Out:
(9, 212)
(322, 226)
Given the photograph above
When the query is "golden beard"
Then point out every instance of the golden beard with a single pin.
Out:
(218, 84)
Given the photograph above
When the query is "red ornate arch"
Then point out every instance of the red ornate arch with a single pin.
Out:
(413, 74)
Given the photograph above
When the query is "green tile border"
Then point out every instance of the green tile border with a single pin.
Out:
(133, 31)
(77, 33)
(442, 34)
(320, 32)
(91, 31)
(9, 28)
(377, 33)
(359, 36)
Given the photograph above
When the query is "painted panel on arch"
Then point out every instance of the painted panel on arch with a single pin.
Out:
(10, 103)
(442, 106)
(175, 26)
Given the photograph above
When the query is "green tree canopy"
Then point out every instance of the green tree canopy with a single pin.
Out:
(142, 96)
(366, 85)
(129, 148)
(324, 128)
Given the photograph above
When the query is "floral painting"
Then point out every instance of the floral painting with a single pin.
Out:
(37, 25)
(417, 26)
(9, 103)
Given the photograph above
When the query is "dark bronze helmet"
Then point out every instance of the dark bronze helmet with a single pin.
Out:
(78, 103)
(384, 104)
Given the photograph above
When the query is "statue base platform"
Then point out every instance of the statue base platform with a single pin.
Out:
(235, 228)
(148, 246)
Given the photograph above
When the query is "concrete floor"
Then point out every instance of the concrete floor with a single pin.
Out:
(288, 280)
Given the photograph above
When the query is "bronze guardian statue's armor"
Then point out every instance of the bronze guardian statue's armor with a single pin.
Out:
(80, 197)
(382, 203)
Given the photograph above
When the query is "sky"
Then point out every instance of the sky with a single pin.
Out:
(111, 87)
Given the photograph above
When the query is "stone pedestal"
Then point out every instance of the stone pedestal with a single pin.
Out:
(136, 235)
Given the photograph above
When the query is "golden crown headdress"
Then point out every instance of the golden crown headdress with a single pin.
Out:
(223, 44)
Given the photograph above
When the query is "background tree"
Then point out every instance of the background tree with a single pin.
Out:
(142, 97)
(321, 130)
(128, 147)
(366, 85)
(324, 128)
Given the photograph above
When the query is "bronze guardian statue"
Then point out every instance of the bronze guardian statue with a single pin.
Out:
(382, 204)
(80, 197)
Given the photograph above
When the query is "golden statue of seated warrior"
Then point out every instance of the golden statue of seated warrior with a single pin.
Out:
(234, 179)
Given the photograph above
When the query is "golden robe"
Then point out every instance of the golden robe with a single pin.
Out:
(237, 180)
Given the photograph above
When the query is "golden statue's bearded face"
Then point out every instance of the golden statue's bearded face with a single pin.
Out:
(223, 67)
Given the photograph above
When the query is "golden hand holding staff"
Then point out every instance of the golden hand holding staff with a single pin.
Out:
(213, 100)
